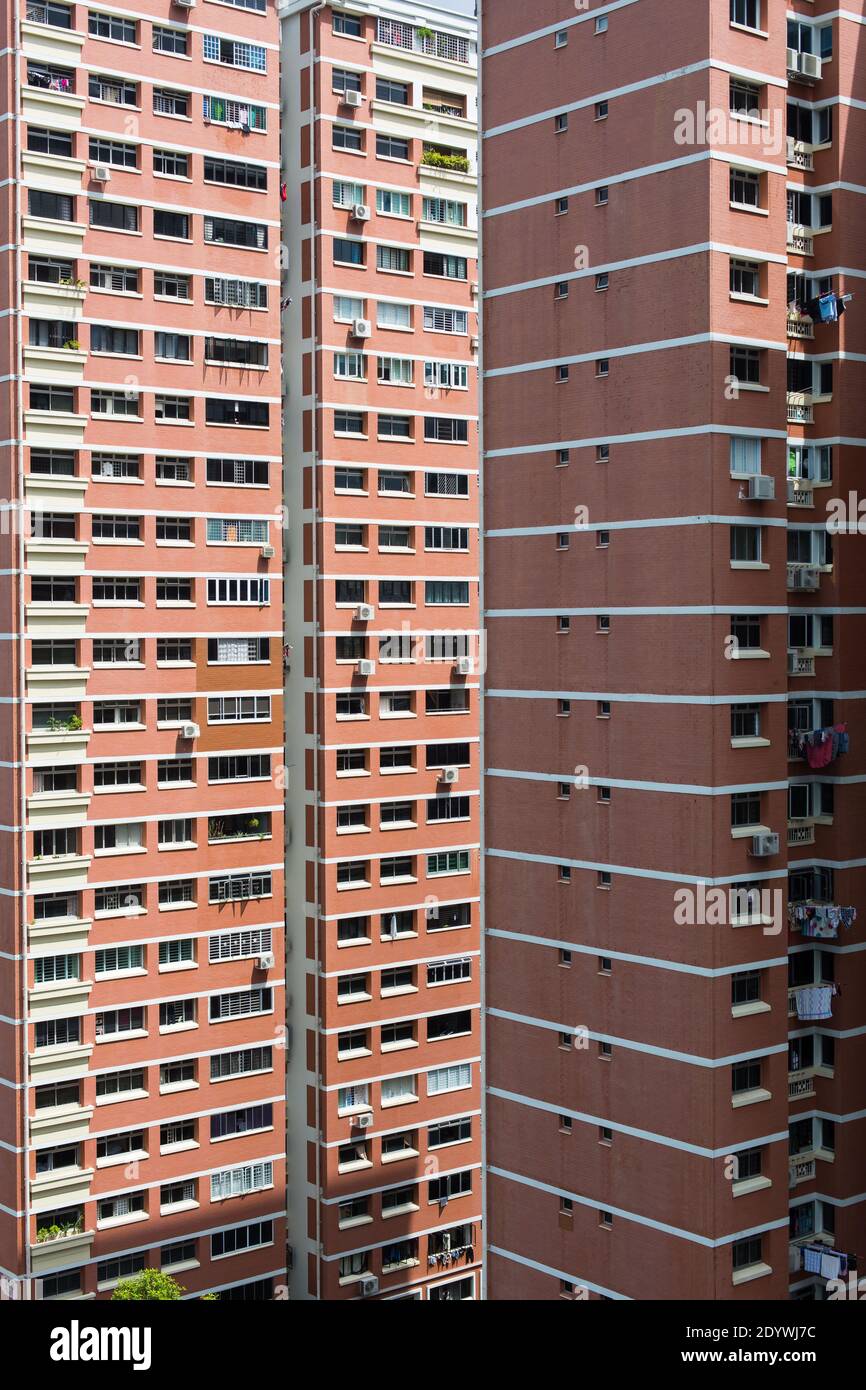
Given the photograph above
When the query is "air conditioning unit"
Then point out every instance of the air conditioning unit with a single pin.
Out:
(361, 328)
(189, 730)
(365, 612)
(804, 577)
(185, 4)
(474, 344)
(369, 1286)
(449, 775)
(361, 212)
(353, 99)
(464, 666)
(267, 960)
(366, 667)
(363, 1121)
(810, 65)
(267, 552)
(761, 488)
(764, 845)
(101, 173)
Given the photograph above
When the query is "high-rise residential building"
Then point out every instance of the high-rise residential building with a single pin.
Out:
(141, 918)
(674, 848)
(382, 702)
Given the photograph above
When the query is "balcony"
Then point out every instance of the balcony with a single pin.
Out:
(801, 1084)
(62, 1000)
(812, 1003)
(799, 155)
(56, 619)
(54, 299)
(801, 1169)
(799, 326)
(58, 873)
(800, 494)
(820, 921)
(800, 411)
(52, 173)
(62, 429)
(51, 106)
(801, 662)
(61, 682)
(43, 42)
(799, 240)
(803, 67)
(61, 1123)
(818, 747)
(64, 743)
(46, 555)
(801, 833)
(801, 577)
(55, 366)
(66, 1187)
(53, 236)
(56, 935)
(69, 1247)
(67, 1063)
(54, 492)
(54, 810)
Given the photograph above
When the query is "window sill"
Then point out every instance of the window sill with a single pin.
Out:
(758, 1006)
(744, 1276)
(745, 832)
(750, 741)
(750, 654)
(750, 1098)
(748, 299)
(735, 565)
(748, 1185)
(121, 1037)
(747, 207)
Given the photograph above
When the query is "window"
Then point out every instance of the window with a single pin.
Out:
(240, 1238)
(167, 40)
(560, 122)
(234, 1182)
(170, 103)
(745, 545)
(109, 26)
(235, 174)
(438, 320)
(117, 341)
(241, 294)
(346, 195)
(746, 365)
(44, 141)
(57, 206)
(244, 1062)
(249, 414)
(395, 259)
(745, 188)
(342, 80)
(171, 163)
(238, 352)
(392, 147)
(47, 12)
(240, 1004)
(746, 12)
(115, 152)
(346, 24)
(445, 266)
(347, 137)
(393, 315)
(224, 231)
(234, 53)
(117, 217)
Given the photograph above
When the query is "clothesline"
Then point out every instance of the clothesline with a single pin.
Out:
(821, 921)
(819, 746)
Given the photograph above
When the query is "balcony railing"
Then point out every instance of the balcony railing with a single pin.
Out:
(800, 327)
(801, 834)
(820, 921)
(802, 576)
(801, 1084)
(800, 410)
(819, 747)
(418, 38)
(799, 240)
(800, 1170)
(801, 663)
(799, 155)
(799, 494)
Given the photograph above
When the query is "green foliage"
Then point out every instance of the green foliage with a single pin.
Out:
(150, 1286)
